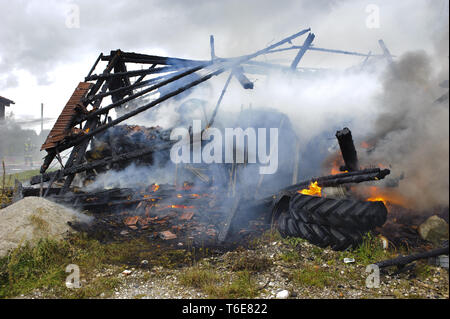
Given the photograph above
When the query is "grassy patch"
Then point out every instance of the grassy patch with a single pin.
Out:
(245, 261)
(199, 278)
(423, 270)
(43, 265)
(293, 242)
(242, 286)
(369, 251)
(213, 284)
(290, 256)
(29, 267)
(311, 276)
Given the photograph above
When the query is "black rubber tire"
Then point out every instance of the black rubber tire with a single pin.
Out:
(338, 213)
(319, 235)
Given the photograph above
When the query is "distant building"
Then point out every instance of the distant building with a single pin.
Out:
(4, 102)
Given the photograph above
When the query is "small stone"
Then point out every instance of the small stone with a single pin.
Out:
(126, 272)
(144, 262)
(283, 294)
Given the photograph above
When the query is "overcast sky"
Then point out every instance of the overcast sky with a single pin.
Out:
(44, 53)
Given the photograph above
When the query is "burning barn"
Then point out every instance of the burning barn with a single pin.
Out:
(123, 171)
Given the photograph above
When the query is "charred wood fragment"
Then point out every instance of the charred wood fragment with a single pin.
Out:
(348, 149)
(302, 51)
(404, 260)
(243, 80)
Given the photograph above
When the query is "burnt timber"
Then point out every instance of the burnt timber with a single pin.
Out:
(348, 150)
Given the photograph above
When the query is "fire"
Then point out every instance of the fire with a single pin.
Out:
(180, 206)
(387, 196)
(155, 188)
(377, 199)
(314, 190)
(365, 144)
(335, 171)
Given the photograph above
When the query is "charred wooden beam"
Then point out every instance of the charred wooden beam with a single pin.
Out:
(105, 109)
(365, 175)
(103, 162)
(386, 53)
(312, 48)
(216, 109)
(94, 66)
(224, 231)
(303, 50)
(132, 57)
(142, 77)
(213, 49)
(243, 80)
(404, 260)
(348, 150)
(164, 69)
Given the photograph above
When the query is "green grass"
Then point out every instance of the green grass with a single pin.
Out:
(43, 265)
(196, 277)
(310, 276)
(212, 283)
(290, 256)
(242, 286)
(243, 261)
(293, 242)
(369, 251)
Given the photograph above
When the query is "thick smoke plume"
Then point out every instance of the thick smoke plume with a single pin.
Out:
(412, 133)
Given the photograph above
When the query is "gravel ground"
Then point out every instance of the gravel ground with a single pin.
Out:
(350, 282)
(276, 269)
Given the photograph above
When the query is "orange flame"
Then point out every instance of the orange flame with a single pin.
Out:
(155, 187)
(365, 145)
(385, 195)
(313, 190)
(377, 199)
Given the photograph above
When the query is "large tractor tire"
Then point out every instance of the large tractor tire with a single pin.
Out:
(339, 213)
(319, 235)
(325, 222)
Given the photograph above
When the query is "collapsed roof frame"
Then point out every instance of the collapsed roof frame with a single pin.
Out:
(116, 81)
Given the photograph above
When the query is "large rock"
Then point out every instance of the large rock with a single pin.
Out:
(434, 229)
(33, 218)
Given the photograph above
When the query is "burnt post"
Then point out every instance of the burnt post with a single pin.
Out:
(348, 149)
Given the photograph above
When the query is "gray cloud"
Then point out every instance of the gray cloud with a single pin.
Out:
(34, 36)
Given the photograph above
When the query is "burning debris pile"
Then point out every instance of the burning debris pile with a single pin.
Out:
(211, 204)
